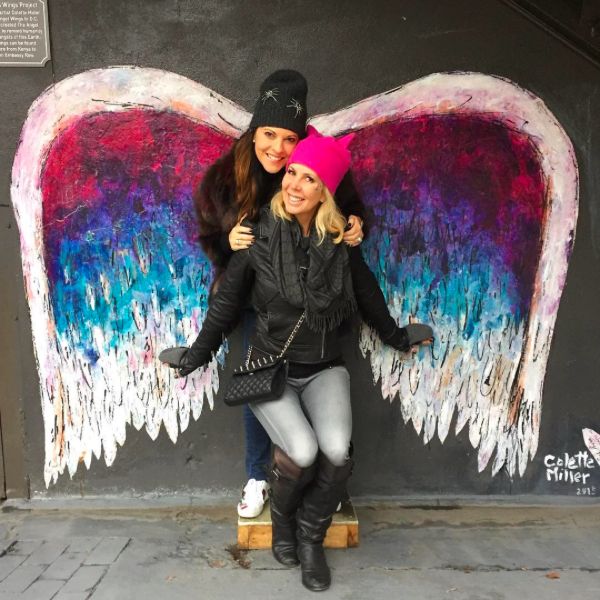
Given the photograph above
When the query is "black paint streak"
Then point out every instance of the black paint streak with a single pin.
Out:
(226, 121)
(123, 104)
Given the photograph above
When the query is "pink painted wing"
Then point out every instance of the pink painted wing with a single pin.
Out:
(113, 268)
(472, 186)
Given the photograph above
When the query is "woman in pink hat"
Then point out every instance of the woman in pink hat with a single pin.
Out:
(297, 266)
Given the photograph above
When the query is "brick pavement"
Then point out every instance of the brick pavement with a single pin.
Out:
(56, 569)
(100, 551)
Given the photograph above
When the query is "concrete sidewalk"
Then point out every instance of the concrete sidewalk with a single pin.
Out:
(108, 549)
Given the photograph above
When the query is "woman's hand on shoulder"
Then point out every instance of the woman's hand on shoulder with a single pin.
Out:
(241, 237)
(354, 235)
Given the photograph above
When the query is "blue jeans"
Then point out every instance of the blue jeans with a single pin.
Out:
(258, 443)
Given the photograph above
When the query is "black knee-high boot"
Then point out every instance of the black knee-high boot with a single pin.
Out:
(314, 517)
(287, 481)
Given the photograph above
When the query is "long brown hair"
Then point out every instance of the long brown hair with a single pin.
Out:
(246, 187)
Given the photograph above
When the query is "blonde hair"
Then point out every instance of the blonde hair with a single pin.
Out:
(328, 220)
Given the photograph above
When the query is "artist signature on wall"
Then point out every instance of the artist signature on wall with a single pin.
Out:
(572, 469)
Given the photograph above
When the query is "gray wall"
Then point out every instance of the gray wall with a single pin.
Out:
(348, 51)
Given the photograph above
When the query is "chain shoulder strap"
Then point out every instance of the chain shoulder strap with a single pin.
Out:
(293, 334)
(286, 345)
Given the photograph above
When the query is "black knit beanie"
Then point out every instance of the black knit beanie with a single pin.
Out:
(282, 102)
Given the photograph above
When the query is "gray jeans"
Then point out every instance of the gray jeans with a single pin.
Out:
(313, 414)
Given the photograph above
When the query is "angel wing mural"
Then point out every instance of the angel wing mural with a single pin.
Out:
(473, 188)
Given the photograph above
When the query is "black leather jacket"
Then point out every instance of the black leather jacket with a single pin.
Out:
(249, 272)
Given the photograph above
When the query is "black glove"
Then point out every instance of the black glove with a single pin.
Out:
(418, 333)
(179, 358)
(187, 365)
(398, 340)
(404, 338)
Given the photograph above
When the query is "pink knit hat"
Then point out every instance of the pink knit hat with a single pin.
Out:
(327, 157)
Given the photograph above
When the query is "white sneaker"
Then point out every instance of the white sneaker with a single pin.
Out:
(254, 496)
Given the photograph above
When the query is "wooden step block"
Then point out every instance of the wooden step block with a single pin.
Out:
(255, 534)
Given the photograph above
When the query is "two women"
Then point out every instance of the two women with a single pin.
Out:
(238, 185)
(298, 265)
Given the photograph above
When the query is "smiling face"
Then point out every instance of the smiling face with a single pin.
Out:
(302, 192)
(273, 147)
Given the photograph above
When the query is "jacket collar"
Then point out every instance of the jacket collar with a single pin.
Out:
(267, 222)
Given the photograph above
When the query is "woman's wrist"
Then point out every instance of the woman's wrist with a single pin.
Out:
(398, 339)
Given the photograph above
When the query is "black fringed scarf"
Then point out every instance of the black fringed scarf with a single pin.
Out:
(326, 292)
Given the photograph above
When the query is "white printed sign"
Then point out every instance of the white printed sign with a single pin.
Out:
(24, 37)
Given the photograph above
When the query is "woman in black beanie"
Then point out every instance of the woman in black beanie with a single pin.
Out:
(237, 186)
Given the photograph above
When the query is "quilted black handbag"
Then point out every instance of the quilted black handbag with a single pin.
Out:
(260, 380)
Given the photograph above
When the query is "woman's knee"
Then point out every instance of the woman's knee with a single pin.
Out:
(303, 453)
(336, 452)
